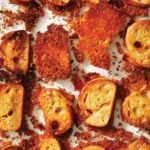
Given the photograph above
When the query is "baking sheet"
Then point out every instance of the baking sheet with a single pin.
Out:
(67, 84)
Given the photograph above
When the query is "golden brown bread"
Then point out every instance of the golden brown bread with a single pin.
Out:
(59, 2)
(96, 101)
(136, 106)
(22, 2)
(138, 45)
(11, 102)
(139, 145)
(141, 3)
(50, 144)
(15, 51)
(93, 147)
(57, 110)
(11, 147)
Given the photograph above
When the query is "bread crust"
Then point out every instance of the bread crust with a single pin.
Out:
(57, 110)
(15, 51)
(50, 144)
(11, 102)
(59, 2)
(136, 106)
(139, 144)
(96, 101)
(21, 2)
(93, 147)
(137, 41)
(141, 3)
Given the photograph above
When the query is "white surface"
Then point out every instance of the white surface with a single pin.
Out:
(66, 84)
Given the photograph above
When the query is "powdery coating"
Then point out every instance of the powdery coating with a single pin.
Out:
(96, 29)
(51, 53)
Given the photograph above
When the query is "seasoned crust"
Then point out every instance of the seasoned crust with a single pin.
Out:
(96, 100)
(141, 3)
(138, 144)
(138, 46)
(11, 102)
(51, 53)
(96, 29)
(136, 106)
(93, 147)
(15, 51)
(49, 144)
(57, 110)
(21, 2)
(59, 2)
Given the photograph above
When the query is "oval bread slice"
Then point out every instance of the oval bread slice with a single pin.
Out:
(50, 144)
(136, 107)
(141, 3)
(57, 110)
(138, 45)
(15, 50)
(11, 103)
(139, 145)
(92, 147)
(96, 101)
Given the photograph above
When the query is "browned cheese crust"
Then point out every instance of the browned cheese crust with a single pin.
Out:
(96, 29)
(51, 53)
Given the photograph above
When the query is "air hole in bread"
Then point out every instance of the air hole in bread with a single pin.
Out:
(54, 125)
(89, 111)
(8, 90)
(10, 113)
(16, 60)
(59, 110)
(136, 110)
(137, 44)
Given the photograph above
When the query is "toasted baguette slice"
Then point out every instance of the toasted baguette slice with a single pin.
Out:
(141, 3)
(139, 145)
(11, 102)
(11, 147)
(15, 50)
(57, 110)
(138, 45)
(136, 106)
(59, 2)
(96, 101)
(93, 147)
(50, 144)
(21, 2)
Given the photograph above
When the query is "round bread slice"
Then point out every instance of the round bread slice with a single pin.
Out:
(141, 3)
(139, 145)
(49, 144)
(138, 43)
(136, 107)
(93, 147)
(57, 110)
(96, 101)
